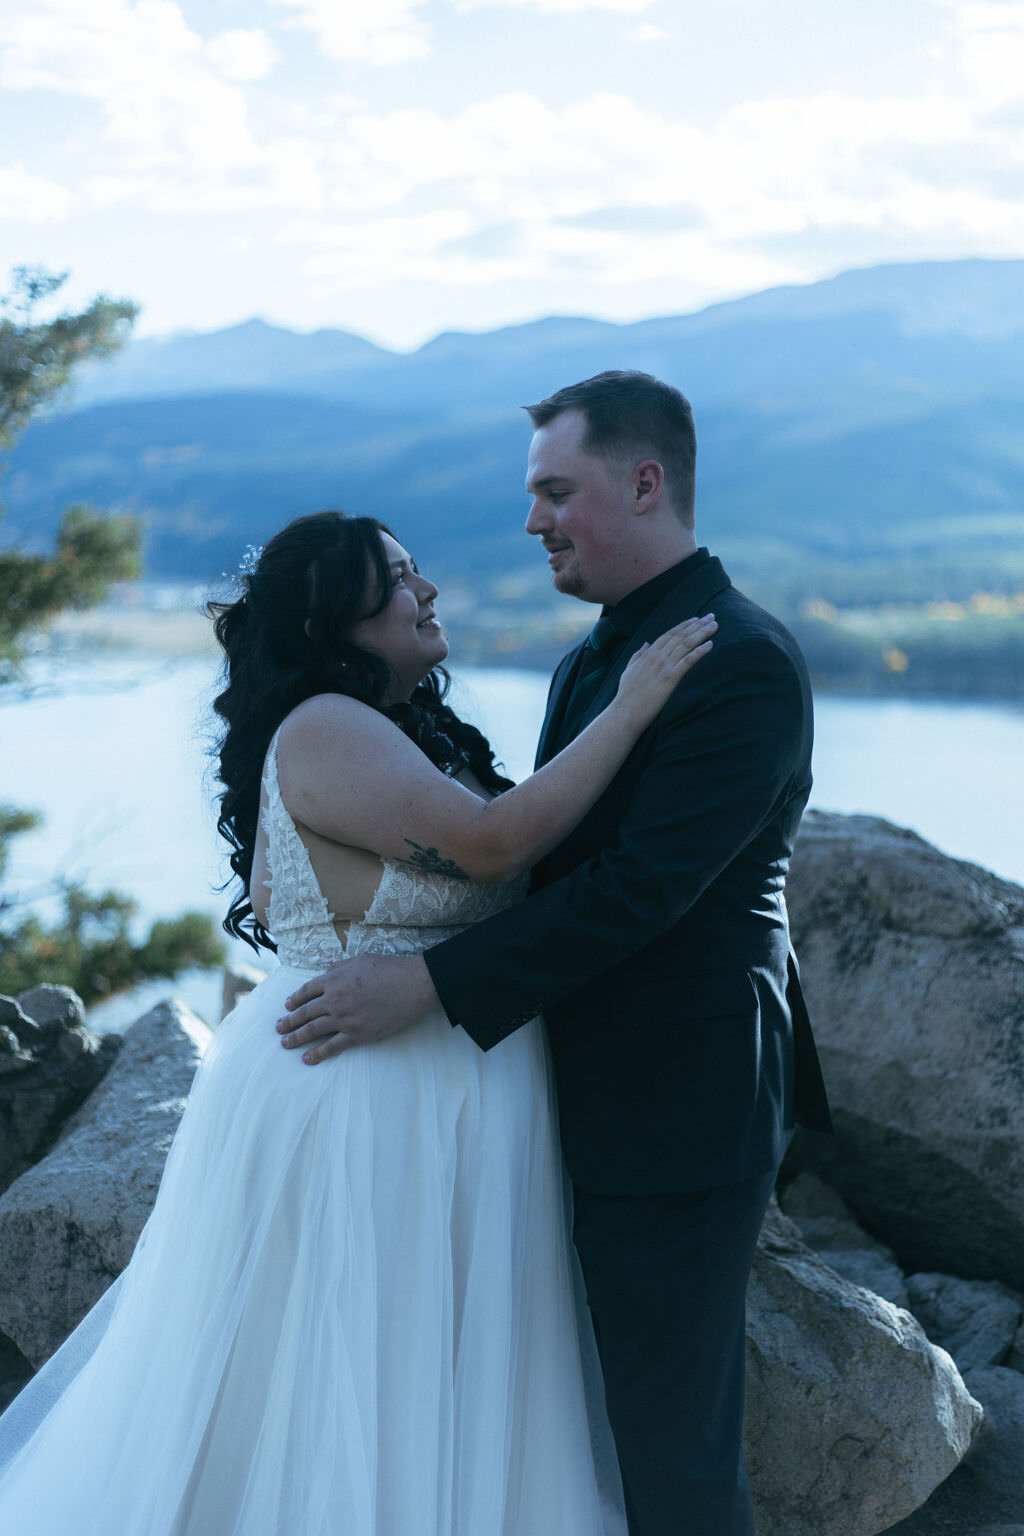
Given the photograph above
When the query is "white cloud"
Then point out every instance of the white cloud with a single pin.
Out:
(174, 125)
(647, 33)
(990, 36)
(589, 192)
(31, 199)
(159, 93)
(988, 15)
(242, 54)
(563, 7)
(372, 31)
(398, 189)
(511, 192)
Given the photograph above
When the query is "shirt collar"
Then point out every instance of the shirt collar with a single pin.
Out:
(630, 613)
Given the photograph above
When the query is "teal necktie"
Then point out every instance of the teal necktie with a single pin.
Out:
(598, 649)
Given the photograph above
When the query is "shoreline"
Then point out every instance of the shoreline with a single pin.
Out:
(182, 635)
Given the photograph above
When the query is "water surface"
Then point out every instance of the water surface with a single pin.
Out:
(115, 754)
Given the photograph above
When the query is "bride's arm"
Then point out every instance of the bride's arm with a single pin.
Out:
(348, 773)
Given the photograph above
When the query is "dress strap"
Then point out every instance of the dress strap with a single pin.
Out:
(296, 906)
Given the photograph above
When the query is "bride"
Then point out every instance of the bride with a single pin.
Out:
(353, 1310)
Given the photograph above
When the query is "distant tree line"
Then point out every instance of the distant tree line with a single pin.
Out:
(960, 660)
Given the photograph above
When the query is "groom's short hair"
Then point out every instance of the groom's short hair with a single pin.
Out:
(629, 413)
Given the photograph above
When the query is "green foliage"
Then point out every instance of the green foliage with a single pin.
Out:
(13, 821)
(91, 551)
(90, 947)
(37, 357)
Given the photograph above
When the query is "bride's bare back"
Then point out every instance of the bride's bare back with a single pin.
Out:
(347, 876)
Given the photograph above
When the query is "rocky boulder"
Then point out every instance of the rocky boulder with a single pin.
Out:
(983, 1496)
(913, 966)
(998, 1461)
(15, 1371)
(976, 1321)
(68, 1226)
(49, 1063)
(853, 1417)
(239, 980)
(1015, 1360)
(828, 1226)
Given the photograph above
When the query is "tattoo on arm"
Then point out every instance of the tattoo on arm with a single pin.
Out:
(431, 862)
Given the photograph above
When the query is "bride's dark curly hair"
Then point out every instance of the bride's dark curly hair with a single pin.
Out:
(285, 639)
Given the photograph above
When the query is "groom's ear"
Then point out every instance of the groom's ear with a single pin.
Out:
(648, 483)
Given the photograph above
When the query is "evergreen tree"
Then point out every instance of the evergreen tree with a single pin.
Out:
(90, 948)
(37, 359)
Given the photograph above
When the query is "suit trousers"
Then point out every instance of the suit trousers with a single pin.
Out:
(666, 1279)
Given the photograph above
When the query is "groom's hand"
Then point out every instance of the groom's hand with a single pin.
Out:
(355, 1002)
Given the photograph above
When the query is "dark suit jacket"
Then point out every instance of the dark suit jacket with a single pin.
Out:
(655, 939)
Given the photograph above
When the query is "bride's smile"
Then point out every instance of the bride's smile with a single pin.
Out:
(405, 631)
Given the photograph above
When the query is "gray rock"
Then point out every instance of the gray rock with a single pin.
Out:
(12, 1057)
(49, 1063)
(998, 1459)
(53, 1008)
(1015, 1359)
(239, 979)
(15, 1371)
(14, 1021)
(68, 1226)
(973, 1320)
(985, 1495)
(828, 1226)
(866, 1268)
(853, 1418)
(939, 1520)
(913, 967)
(13, 1016)
(824, 1218)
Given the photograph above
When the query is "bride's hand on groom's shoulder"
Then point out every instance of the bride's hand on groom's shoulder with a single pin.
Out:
(356, 1002)
(654, 671)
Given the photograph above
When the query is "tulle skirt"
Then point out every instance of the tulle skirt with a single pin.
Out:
(354, 1311)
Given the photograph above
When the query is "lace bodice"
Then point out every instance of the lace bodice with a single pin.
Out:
(411, 909)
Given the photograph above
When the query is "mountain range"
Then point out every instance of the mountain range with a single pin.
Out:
(861, 438)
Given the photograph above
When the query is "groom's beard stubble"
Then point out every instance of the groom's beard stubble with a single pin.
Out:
(569, 581)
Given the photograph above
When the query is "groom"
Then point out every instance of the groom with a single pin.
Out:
(655, 940)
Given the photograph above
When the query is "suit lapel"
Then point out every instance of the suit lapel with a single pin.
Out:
(691, 597)
(558, 698)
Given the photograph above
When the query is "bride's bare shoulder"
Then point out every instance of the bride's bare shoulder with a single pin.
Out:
(331, 719)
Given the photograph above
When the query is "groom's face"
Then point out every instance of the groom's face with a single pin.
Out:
(581, 511)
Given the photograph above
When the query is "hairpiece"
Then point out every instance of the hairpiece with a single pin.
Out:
(250, 560)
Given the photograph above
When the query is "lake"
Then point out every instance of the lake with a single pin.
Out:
(114, 751)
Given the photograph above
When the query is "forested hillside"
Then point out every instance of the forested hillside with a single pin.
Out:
(861, 439)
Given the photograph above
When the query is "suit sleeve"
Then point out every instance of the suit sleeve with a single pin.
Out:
(723, 759)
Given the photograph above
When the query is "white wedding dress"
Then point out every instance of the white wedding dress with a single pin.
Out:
(354, 1310)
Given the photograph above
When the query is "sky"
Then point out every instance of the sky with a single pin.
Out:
(403, 167)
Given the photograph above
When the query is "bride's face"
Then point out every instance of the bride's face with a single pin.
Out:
(405, 632)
